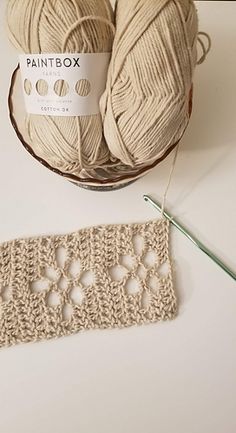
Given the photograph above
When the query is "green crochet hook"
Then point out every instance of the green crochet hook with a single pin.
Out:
(195, 241)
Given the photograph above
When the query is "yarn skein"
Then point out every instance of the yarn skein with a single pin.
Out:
(64, 26)
(145, 107)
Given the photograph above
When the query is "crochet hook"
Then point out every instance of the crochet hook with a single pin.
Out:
(192, 238)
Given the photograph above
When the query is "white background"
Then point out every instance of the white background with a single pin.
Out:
(177, 377)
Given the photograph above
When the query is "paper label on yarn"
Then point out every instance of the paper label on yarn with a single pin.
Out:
(63, 84)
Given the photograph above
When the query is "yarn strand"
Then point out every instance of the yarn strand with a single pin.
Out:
(173, 165)
(205, 48)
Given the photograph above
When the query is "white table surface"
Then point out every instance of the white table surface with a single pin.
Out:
(176, 377)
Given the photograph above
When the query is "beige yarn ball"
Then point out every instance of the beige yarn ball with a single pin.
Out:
(146, 104)
(71, 26)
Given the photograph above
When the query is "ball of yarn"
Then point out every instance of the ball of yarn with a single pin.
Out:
(145, 107)
(64, 26)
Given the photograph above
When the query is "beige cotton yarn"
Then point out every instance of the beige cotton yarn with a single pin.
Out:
(146, 104)
(55, 286)
(71, 26)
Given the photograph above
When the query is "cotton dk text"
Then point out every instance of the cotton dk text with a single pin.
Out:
(51, 62)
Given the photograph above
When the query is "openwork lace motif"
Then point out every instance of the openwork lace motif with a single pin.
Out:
(101, 277)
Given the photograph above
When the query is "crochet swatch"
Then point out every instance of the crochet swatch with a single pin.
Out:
(100, 277)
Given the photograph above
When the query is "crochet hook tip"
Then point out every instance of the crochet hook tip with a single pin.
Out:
(155, 204)
(147, 198)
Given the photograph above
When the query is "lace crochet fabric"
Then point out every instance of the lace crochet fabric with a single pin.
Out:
(100, 277)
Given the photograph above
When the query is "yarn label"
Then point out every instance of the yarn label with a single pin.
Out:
(64, 84)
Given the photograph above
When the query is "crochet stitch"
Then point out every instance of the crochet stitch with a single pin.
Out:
(100, 277)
